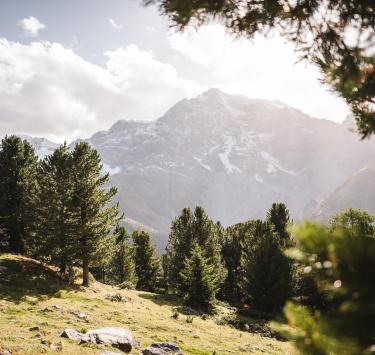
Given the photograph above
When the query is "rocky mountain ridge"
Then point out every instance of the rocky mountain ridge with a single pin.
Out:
(232, 155)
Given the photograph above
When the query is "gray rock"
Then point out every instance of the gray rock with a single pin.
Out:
(118, 337)
(71, 334)
(109, 353)
(166, 348)
(5, 352)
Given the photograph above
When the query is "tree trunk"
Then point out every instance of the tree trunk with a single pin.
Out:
(62, 268)
(16, 244)
(85, 272)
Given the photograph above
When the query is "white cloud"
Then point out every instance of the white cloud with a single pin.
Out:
(260, 68)
(47, 89)
(115, 25)
(31, 25)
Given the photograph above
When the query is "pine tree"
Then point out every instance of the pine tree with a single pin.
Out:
(18, 191)
(278, 218)
(232, 250)
(179, 244)
(147, 264)
(96, 216)
(122, 264)
(57, 215)
(341, 262)
(201, 281)
(187, 231)
(267, 272)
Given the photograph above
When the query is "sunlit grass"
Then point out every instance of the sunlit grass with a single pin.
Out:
(25, 303)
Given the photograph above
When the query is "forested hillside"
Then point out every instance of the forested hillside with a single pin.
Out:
(60, 212)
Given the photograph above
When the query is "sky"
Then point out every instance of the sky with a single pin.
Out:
(71, 68)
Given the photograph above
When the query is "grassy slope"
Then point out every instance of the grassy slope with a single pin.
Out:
(26, 288)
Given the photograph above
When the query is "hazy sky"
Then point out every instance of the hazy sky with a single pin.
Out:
(69, 68)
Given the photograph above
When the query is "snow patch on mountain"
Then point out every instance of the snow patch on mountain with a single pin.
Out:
(273, 165)
(230, 143)
(202, 164)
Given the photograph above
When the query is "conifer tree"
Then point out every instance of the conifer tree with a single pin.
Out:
(57, 215)
(187, 231)
(201, 280)
(232, 249)
(278, 218)
(96, 216)
(179, 244)
(18, 193)
(122, 265)
(267, 272)
(147, 263)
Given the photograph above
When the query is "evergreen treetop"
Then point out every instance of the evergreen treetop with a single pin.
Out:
(200, 279)
(147, 263)
(18, 192)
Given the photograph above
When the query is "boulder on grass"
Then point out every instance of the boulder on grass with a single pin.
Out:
(117, 337)
(166, 348)
(71, 334)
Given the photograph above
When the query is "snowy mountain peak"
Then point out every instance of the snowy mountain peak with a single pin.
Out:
(232, 155)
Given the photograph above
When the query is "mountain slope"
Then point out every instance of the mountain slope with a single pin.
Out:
(233, 155)
(358, 191)
(230, 154)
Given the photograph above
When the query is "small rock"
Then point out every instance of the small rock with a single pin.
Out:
(46, 310)
(37, 335)
(196, 336)
(71, 334)
(35, 328)
(5, 352)
(56, 306)
(82, 315)
(246, 327)
(166, 348)
(109, 353)
(136, 343)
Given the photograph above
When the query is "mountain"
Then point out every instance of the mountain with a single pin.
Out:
(232, 155)
(358, 191)
(42, 146)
